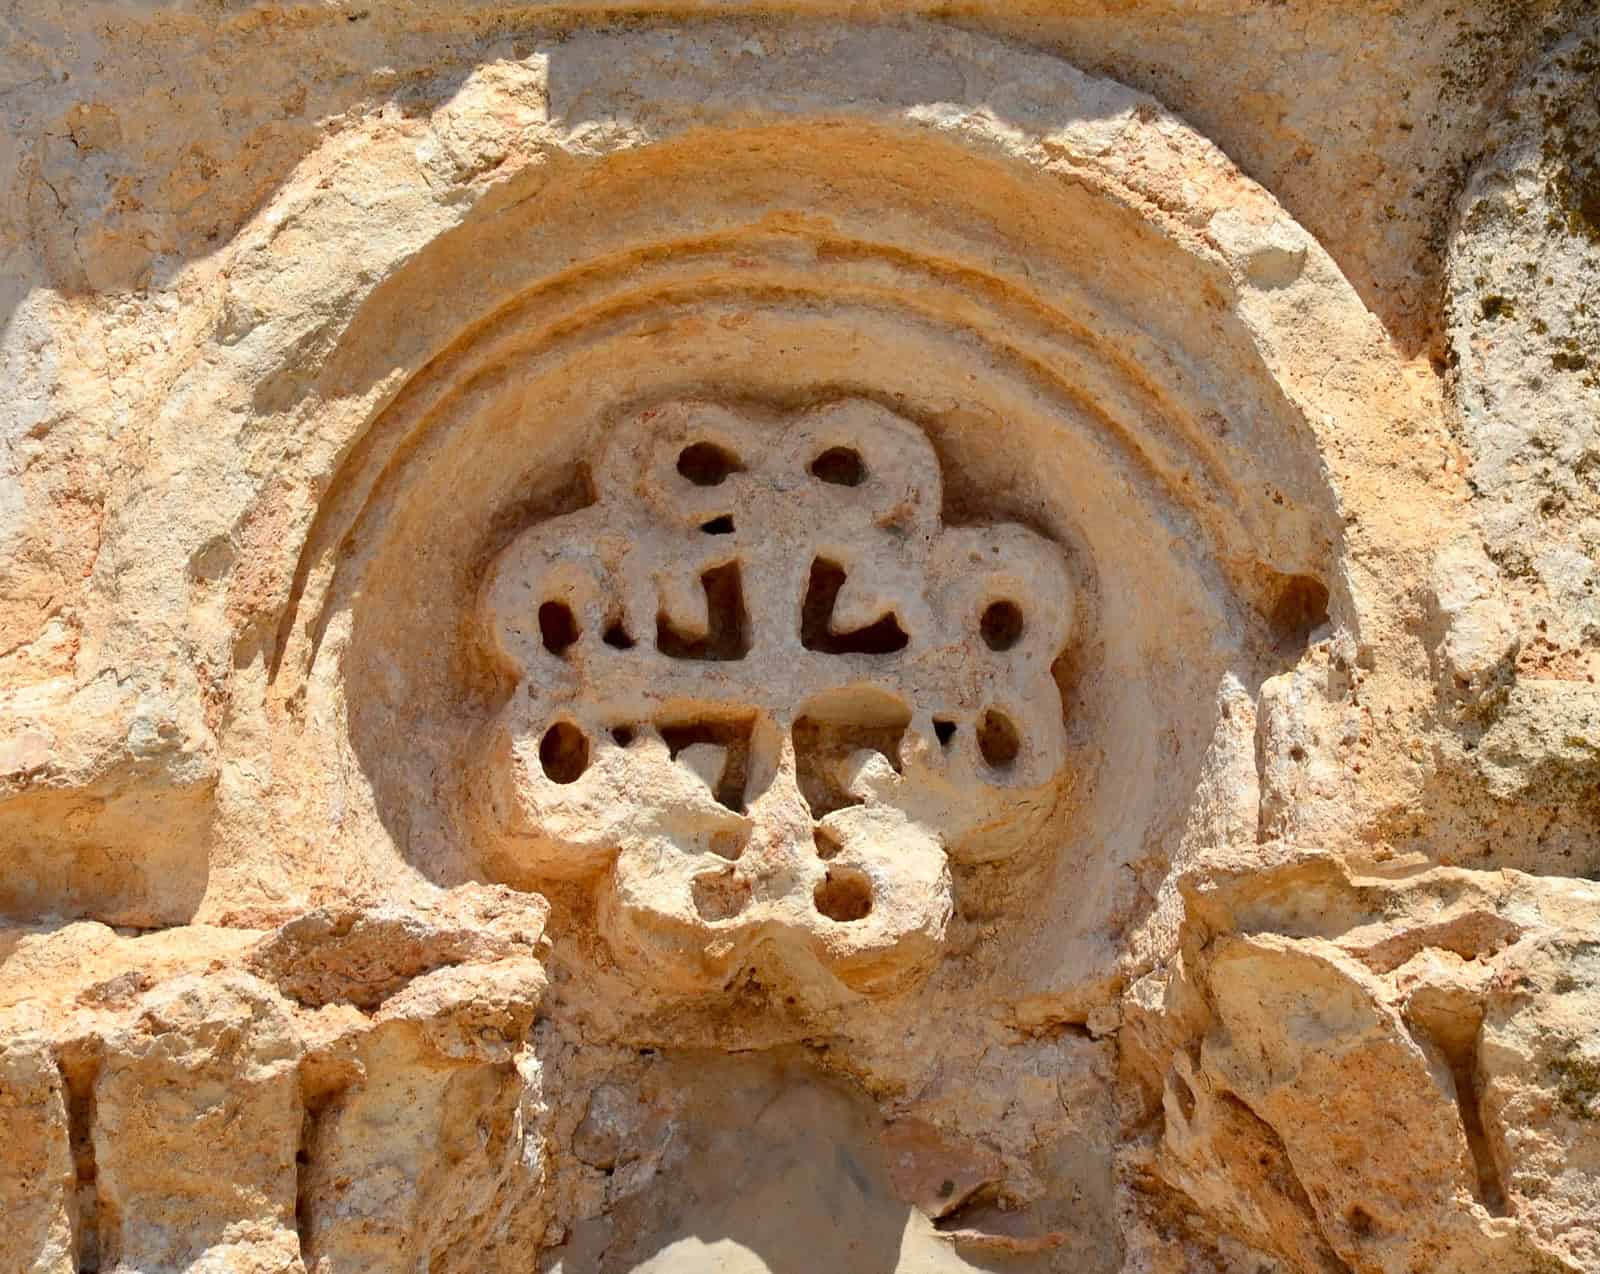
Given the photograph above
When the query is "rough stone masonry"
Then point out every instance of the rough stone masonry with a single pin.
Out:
(772, 638)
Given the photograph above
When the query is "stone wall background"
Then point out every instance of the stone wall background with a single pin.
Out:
(1307, 981)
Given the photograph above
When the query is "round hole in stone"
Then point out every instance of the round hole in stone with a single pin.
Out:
(564, 752)
(1001, 625)
(719, 895)
(622, 735)
(707, 465)
(828, 845)
(719, 526)
(998, 740)
(844, 895)
(840, 466)
(616, 636)
(944, 731)
(558, 628)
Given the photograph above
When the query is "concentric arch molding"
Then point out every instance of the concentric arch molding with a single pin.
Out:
(1107, 336)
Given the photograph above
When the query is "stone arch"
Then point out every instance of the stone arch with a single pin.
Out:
(1107, 334)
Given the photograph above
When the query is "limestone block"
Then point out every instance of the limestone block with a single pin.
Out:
(364, 956)
(38, 1183)
(1540, 1060)
(424, 1162)
(1307, 988)
(1305, 1043)
(213, 1118)
(196, 1126)
(86, 771)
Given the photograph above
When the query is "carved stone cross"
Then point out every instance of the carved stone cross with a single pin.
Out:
(765, 686)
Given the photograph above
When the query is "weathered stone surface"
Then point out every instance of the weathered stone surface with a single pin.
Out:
(837, 692)
(365, 956)
(425, 1163)
(204, 1076)
(182, 1114)
(1541, 1090)
(1524, 314)
(786, 637)
(38, 1185)
(1359, 987)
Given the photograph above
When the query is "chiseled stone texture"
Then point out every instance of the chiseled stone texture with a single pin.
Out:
(792, 636)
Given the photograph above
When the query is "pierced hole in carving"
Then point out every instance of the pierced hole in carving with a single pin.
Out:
(729, 635)
(616, 636)
(558, 628)
(1001, 625)
(844, 895)
(732, 735)
(622, 735)
(828, 845)
(944, 731)
(707, 465)
(998, 740)
(881, 637)
(1360, 1222)
(833, 726)
(564, 752)
(719, 895)
(719, 526)
(839, 466)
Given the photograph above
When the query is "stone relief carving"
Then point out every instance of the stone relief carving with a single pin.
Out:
(765, 687)
(1307, 862)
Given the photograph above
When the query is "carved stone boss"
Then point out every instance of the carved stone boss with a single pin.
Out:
(764, 693)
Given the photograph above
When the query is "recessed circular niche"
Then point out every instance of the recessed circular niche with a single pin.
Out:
(722, 574)
(1010, 321)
